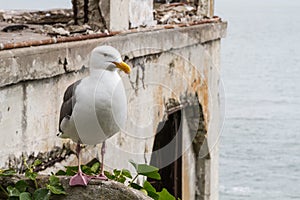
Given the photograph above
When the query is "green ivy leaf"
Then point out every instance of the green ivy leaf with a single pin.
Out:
(153, 195)
(60, 173)
(109, 175)
(31, 175)
(13, 198)
(121, 179)
(135, 186)
(25, 196)
(7, 172)
(151, 190)
(144, 169)
(147, 186)
(135, 165)
(117, 172)
(153, 175)
(86, 169)
(95, 167)
(37, 162)
(41, 194)
(56, 189)
(144, 191)
(165, 195)
(12, 191)
(71, 170)
(55, 186)
(126, 173)
(21, 185)
(53, 180)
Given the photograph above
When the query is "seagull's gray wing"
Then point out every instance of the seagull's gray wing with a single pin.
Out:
(68, 102)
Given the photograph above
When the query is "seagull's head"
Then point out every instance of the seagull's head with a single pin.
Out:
(107, 58)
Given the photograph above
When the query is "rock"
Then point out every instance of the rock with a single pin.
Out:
(37, 17)
(176, 13)
(59, 31)
(97, 189)
(16, 27)
(79, 29)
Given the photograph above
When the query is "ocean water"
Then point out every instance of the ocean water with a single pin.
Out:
(260, 141)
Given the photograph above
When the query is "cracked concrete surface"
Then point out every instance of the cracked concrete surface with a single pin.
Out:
(166, 64)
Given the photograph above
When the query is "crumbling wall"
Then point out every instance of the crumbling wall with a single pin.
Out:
(167, 63)
(113, 14)
(118, 15)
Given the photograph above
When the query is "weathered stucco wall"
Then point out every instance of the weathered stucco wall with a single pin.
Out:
(167, 63)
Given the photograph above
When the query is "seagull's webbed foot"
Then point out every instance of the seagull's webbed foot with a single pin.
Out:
(100, 177)
(79, 179)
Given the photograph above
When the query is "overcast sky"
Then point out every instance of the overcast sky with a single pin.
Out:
(34, 4)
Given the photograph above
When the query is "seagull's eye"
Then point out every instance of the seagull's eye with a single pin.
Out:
(105, 54)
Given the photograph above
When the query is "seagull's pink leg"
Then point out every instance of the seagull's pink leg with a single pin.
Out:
(80, 178)
(101, 176)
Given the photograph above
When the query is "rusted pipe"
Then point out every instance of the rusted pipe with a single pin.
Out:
(5, 46)
(55, 40)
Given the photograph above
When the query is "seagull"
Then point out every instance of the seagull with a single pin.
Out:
(95, 107)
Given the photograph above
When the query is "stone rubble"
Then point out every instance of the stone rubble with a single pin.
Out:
(176, 13)
(52, 22)
(37, 17)
(60, 22)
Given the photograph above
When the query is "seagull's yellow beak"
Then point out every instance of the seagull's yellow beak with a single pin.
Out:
(123, 66)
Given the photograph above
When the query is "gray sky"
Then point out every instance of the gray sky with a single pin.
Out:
(34, 4)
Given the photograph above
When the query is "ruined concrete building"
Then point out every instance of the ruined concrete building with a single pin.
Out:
(103, 14)
(173, 90)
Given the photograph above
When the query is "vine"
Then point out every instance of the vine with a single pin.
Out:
(23, 191)
(124, 176)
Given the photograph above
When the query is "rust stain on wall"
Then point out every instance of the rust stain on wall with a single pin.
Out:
(200, 86)
(159, 100)
(186, 180)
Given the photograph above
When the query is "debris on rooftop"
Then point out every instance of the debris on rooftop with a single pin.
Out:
(20, 26)
(52, 22)
(37, 17)
(176, 13)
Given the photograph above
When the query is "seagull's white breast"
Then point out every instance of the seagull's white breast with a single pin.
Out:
(101, 108)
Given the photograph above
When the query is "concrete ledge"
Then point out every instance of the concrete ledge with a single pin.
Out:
(48, 61)
(96, 189)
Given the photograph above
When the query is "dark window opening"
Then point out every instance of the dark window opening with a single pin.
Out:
(167, 148)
